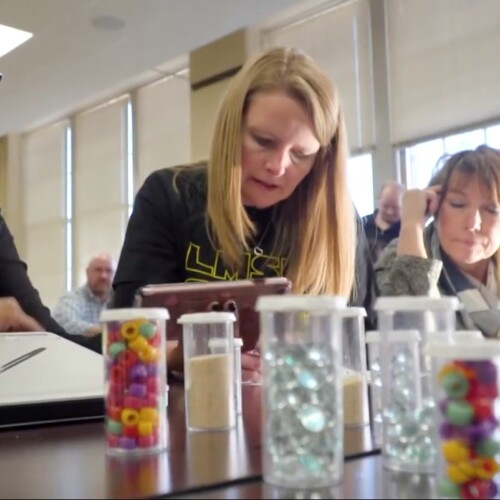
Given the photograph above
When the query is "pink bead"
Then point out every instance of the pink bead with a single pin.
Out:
(153, 385)
(146, 441)
(112, 440)
(151, 401)
(133, 402)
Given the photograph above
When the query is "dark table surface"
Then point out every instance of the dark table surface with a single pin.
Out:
(69, 459)
(363, 478)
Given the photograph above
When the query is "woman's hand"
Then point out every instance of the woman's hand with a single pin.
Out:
(418, 205)
(251, 366)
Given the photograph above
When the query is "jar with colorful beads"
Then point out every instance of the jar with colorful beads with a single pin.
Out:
(134, 350)
(465, 377)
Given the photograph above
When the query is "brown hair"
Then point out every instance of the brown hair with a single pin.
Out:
(315, 226)
(482, 163)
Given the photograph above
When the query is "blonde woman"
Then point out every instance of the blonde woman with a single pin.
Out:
(272, 200)
(457, 253)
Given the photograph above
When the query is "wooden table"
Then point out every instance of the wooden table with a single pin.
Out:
(70, 461)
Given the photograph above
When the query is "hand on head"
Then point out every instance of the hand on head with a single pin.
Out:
(14, 319)
(419, 204)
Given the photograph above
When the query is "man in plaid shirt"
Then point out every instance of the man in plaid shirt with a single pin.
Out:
(78, 311)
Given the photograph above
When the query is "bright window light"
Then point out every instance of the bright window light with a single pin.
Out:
(10, 38)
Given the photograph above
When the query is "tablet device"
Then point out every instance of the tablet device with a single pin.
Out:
(232, 296)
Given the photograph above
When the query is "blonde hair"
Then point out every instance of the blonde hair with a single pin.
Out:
(315, 226)
(482, 163)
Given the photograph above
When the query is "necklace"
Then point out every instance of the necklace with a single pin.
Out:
(257, 250)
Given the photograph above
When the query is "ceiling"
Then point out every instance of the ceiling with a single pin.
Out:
(69, 64)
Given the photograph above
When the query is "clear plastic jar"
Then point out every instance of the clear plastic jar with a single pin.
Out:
(406, 379)
(209, 379)
(465, 377)
(134, 351)
(374, 377)
(302, 402)
(238, 344)
(354, 362)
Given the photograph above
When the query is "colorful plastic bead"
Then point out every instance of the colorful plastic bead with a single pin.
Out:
(486, 468)
(114, 427)
(153, 385)
(138, 344)
(449, 489)
(114, 412)
(487, 448)
(112, 440)
(138, 390)
(478, 489)
(148, 355)
(455, 385)
(483, 408)
(481, 431)
(130, 330)
(146, 441)
(132, 402)
(131, 431)
(129, 416)
(459, 413)
(128, 359)
(455, 451)
(116, 348)
(147, 330)
(117, 374)
(145, 428)
(148, 414)
(152, 370)
(139, 372)
(461, 473)
(151, 401)
(127, 443)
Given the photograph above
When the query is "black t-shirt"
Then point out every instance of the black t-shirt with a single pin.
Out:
(378, 238)
(15, 282)
(167, 241)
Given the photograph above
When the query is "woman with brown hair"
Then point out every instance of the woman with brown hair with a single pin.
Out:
(457, 253)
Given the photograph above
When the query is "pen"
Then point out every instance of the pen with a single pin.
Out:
(13, 362)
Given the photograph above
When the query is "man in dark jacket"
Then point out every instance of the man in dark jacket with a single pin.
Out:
(383, 225)
(24, 310)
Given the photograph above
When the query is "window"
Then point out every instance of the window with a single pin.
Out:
(360, 182)
(423, 159)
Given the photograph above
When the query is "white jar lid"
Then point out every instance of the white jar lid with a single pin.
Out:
(211, 317)
(466, 335)
(354, 312)
(405, 303)
(238, 342)
(300, 303)
(134, 313)
(472, 350)
(373, 336)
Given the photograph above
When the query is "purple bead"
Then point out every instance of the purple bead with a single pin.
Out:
(450, 431)
(139, 372)
(482, 430)
(127, 443)
(138, 390)
(152, 370)
(485, 370)
(493, 490)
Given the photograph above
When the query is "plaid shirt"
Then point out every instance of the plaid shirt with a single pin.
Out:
(79, 310)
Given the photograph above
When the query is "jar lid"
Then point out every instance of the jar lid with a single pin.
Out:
(353, 312)
(211, 317)
(300, 303)
(471, 350)
(134, 313)
(405, 303)
(238, 342)
(465, 335)
(373, 336)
